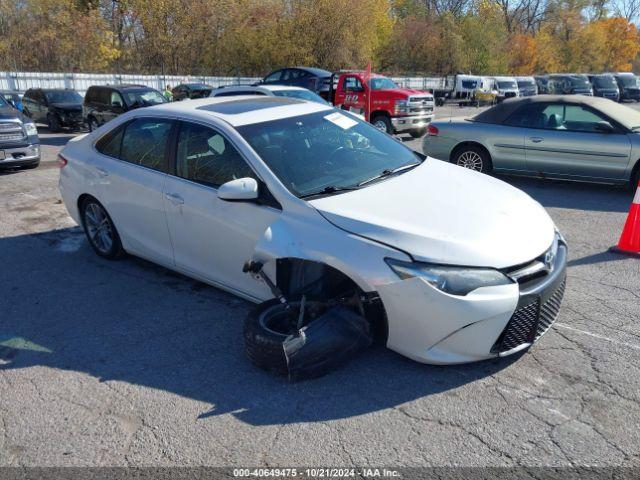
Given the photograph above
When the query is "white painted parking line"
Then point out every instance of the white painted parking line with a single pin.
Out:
(601, 337)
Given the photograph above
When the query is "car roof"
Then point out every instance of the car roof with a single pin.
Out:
(315, 71)
(503, 110)
(240, 110)
(256, 88)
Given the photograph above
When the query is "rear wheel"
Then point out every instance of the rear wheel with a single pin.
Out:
(383, 124)
(472, 157)
(100, 230)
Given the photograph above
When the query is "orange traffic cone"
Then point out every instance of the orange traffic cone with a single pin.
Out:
(629, 242)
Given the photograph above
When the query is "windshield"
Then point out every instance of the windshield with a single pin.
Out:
(302, 94)
(604, 82)
(526, 83)
(628, 80)
(324, 151)
(382, 83)
(63, 96)
(579, 82)
(143, 97)
(507, 84)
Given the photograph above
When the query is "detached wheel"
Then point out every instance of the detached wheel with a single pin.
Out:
(265, 330)
(100, 230)
(473, 158)
(383, 124)
(54, 123)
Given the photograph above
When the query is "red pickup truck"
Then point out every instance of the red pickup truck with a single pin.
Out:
(383, 103)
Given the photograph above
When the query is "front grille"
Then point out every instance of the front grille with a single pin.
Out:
(11, 132)
(530, 322)
(509, 94)
(549, 311)
(421, 110)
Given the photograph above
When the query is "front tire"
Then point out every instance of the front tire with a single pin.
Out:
(472, 157)
(100, 230)
(92, 124)
(383, 124)
(54, 123)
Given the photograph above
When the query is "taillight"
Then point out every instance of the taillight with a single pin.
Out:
(432, 130)
(62, 162)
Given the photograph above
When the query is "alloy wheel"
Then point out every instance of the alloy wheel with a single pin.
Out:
(380, 125)
(99, 228)
(471, 160)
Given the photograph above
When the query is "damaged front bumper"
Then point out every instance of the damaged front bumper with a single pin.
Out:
(431, 326)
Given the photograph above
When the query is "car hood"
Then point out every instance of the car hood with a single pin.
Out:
(442, 213)
(10, 113)
(70, 107)
(406, 92)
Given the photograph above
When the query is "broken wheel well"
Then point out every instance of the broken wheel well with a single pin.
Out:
(296, 277)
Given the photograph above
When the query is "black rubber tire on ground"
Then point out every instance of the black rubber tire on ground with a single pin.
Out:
(635, 179)
(264, 347)
(92, 124)
(418, 132)
(115, 251)
(473, 151)
(382, 119)
(54, 123)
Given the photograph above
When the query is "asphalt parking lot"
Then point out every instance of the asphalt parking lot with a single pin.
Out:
(126, 363)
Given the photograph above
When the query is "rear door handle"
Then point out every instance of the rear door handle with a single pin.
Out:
(102, 172)
(536, 139)
(174, 198)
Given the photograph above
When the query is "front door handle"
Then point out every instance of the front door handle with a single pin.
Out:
(174, 198)
(102, 172)
(536, 139)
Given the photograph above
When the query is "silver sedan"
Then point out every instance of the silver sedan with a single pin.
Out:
(566, 137)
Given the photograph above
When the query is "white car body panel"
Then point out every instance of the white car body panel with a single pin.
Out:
(437, 207)
(430, 316)
(435, 212)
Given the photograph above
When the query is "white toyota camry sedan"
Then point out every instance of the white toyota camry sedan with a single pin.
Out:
(267, 196)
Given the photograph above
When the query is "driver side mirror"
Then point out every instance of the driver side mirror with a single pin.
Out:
(241, 189)
(604, 127)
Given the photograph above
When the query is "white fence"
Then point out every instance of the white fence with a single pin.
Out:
(21, 81)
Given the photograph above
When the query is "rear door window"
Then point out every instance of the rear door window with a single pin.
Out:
(145, 141)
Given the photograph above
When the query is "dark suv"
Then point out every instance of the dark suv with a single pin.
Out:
(629, 86)
(57, 107)
(105, 102)
(314, 79)
(571, 84)
(19, 144)
(605, 86)
(191, 90)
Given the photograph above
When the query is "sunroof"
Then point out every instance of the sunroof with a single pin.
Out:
(235, 107)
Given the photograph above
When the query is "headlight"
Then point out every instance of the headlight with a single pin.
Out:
(453, 280)
(31, 129)
(400, 106)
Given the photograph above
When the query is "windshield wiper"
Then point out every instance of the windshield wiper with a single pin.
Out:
(389, 171)
(329, 190)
